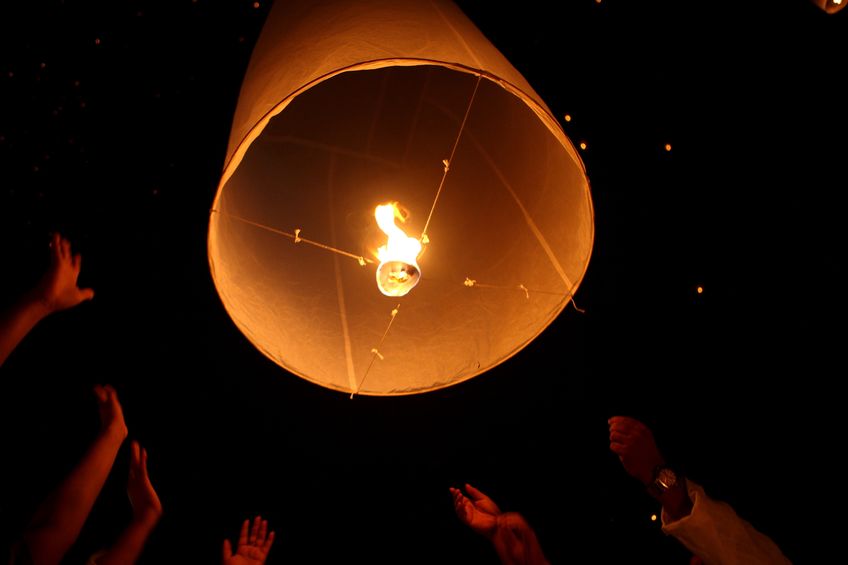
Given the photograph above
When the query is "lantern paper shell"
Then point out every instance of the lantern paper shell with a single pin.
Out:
(349, 105)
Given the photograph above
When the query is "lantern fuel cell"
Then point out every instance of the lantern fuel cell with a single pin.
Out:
(398, 270)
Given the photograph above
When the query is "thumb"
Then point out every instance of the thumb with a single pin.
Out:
(86, 293)
(475, 493)
(228, 549)
(135, 455)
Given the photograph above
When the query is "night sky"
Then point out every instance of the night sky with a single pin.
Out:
(716, 152)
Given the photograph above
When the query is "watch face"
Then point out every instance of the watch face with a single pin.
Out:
(666, 478)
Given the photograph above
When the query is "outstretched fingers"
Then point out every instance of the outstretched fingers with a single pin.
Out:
(227, 549)
(243, 534)
(263, 532)
(475, 494)
(482, 501)
(135, 459)
(268, 542)
(254, 531)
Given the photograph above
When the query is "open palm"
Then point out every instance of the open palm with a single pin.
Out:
(253, 547)
(476, 510)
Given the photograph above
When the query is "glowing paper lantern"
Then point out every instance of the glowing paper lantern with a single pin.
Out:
(349, 106)
(830, 6)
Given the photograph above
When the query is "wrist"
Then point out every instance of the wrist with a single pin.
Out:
(662, 478)
(669, 488)
(510, 522)
(490, 532)
(37, 305)
(147, 518)
(115, 431)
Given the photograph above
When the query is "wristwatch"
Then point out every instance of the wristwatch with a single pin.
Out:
(664, 478)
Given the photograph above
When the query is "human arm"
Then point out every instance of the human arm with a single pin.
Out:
(516, 542)
(637, 450)
(57, 290)
(716, 533)
(512, 537)
(476, 510)
(709, 529)
(147, 510)
(253, 546)
(59, 519)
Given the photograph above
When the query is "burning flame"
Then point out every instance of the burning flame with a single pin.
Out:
(398, 271)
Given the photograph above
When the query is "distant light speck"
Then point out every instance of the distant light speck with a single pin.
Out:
(583, 145)
(653, 516)
(668, 146)
(43, 65)
(97, 41)
(256, 4)
(700, 290)
(568, 117)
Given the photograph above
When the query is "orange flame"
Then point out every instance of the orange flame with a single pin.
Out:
(398, 271)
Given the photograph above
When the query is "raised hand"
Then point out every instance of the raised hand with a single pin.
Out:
(60, 518)
(476, 510)
(634, 444)
(146, 513)
(111, 413)
(253, 547)
(143, 498)
(512, 537)
(58, 288)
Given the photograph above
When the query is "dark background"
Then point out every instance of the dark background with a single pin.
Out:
(114, 121)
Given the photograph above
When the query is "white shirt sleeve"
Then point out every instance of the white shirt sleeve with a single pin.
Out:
(715, 533)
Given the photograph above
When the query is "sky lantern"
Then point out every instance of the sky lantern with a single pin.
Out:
(830, 6)
(399, 211)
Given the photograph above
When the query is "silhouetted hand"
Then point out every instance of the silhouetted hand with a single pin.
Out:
(143, 498)
(512, 537)
(634, 444)
(516, 542)
(111, 413)
(57, 289)
(252, 549)
(146, 513)
(60, 517)
(476, 510)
